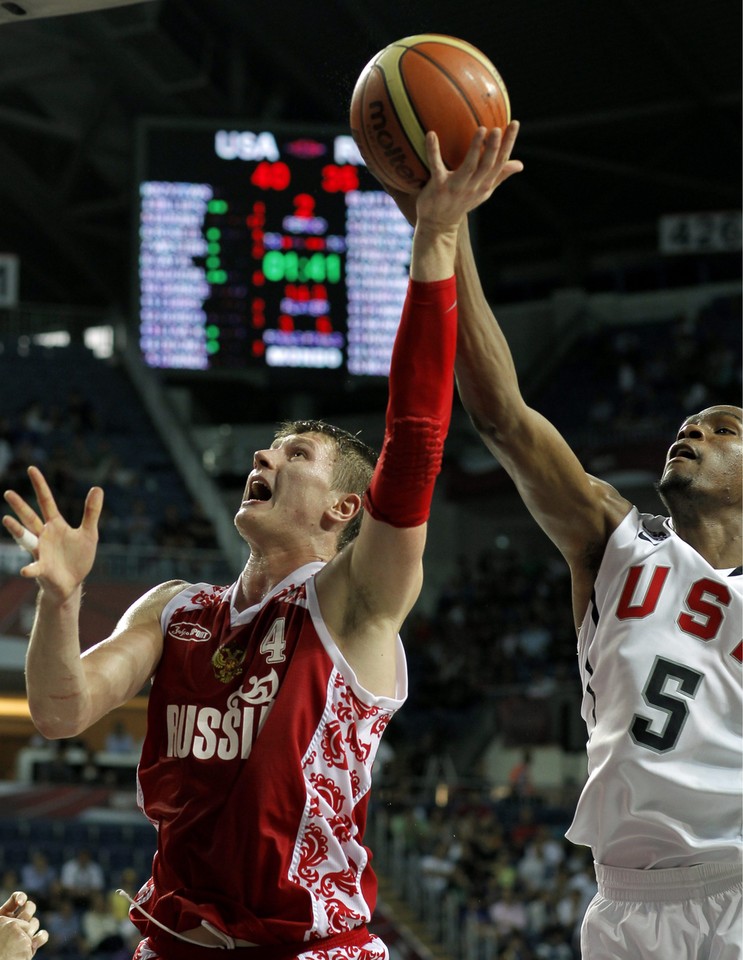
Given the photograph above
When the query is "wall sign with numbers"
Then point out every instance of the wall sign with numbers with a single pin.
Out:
(700, 232)
(265, 248)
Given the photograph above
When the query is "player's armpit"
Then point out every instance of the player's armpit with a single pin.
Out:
(365, 592)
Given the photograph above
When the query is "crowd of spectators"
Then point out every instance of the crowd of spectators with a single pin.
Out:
(79, 906)
(500, 641)
(510, 879)
(74, 761)
(70, 444)
(625, 383)
(696, 367)
(501, 634)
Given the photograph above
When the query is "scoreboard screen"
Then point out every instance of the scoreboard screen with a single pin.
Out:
(265, 247)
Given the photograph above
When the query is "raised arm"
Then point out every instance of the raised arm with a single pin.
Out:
(577, 511)
(68, 692)
(367, 591)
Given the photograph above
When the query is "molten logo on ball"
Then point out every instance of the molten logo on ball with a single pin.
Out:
(393, 152)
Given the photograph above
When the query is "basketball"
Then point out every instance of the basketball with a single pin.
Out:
(421, 83)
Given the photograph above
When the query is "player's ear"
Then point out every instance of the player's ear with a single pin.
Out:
(345, 507)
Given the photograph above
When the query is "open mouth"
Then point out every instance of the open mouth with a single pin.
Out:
(258, 490)
(682, 453)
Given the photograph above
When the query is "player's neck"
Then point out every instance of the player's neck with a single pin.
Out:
(717, 539)
(265, 570)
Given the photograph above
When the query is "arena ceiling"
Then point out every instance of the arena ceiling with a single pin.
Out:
(629, 110)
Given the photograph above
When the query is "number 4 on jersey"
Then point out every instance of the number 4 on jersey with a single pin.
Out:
(273, 644)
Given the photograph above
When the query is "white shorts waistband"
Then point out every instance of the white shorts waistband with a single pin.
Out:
(674, 884)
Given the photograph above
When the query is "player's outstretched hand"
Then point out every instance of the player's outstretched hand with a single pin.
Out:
(449, 195)
(63, 555)
(505, 167)
(20, 936)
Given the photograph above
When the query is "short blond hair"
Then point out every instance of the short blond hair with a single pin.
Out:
(355, 463)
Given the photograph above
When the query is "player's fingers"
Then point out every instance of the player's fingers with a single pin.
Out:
(26, 912)
(436, 165)
(92, 510)
(25, 513)
(474, 159)
(513, 166)
(23, 537)
(484, 178)
(509, 139)
(490, 157)
(39, 939)
(14, 902)
(470, 167)
(31, 571)
(48, 504)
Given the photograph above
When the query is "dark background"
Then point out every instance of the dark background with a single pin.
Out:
(629, 110)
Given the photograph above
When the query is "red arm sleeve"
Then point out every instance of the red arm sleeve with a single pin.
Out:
(421, 388)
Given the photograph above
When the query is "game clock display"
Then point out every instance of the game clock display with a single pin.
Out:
(265, 248)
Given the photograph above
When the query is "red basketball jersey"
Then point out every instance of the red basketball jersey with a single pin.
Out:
(256, 769)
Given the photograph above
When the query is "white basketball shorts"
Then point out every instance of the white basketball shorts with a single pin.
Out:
(686, 913)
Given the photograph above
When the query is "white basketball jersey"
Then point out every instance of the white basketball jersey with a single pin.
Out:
(660, 660)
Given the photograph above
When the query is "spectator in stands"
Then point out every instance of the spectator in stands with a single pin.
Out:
(171, 532)
(437, 867)
(89, 772)
(100, 929)
(553, 945)
(525, 828)
(551, 850)
(515, 948)
(39, 879)
(200, 528)
(507, 912)
(24, 452)
(540, 913)
(118, 906)
(20, 933)
(119, 740)
(570, 909)
(108, 469)
(80, 878)
(532, 869)
(519, 777)
(534, 640)
(541, 686)
(81, 413)
(65, 930)
(138, 526)
(503, 869)
(56, 769)
(35, 421)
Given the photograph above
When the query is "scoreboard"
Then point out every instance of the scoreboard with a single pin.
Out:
(265, 247)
